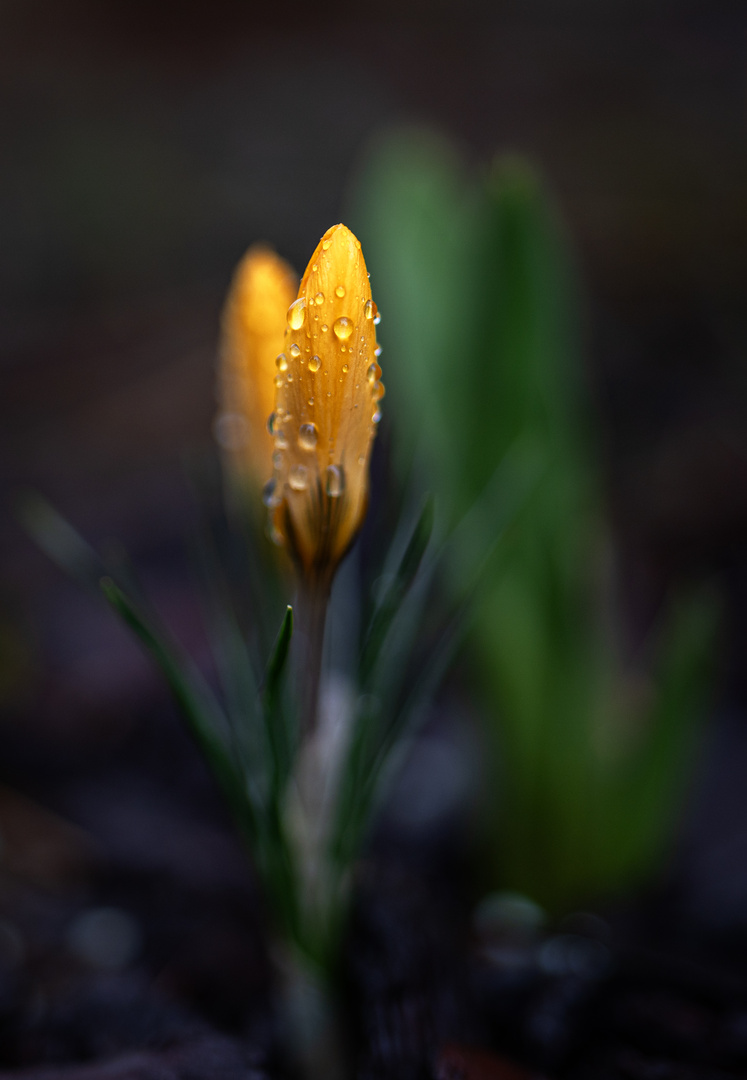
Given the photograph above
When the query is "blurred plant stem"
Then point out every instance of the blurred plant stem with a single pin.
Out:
(311, 1017)
(312, 604)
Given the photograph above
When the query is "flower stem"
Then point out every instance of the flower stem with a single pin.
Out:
(313, 598)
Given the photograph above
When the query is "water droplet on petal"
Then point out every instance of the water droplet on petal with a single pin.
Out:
(307, 436)
(345, 369)
(326, 245)
(281, 362)
(334, 481)
(325, 328)
(314, 363)
(319, 298)
(343, 328)
(277, 460)
(378, 391)
(373, 373)
(368, 309)
(281, 440)
(279, 381)
(377, 319)
(270, 495)
(377, 350)
(275, 535)
(271, 422)
(340, 291)
(294, 351)
(297, 314)
(376, 416)
(298, 477)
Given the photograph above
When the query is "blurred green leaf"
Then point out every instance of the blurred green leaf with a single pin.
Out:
(394, 595)
(204, 716)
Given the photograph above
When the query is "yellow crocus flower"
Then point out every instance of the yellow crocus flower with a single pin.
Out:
(253, 326)
(326, 410)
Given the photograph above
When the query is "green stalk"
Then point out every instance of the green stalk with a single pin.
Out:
(313, 599)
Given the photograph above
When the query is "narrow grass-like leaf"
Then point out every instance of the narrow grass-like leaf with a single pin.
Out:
(59, 540)
(394, 595)
(653, 782)
(279, 737)
(278, 659)
(200, 709)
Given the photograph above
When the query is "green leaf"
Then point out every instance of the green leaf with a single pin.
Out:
(200, 709)
(59, 540)
(651, 786)
(280, 731)
(394, 595)
(278, 659)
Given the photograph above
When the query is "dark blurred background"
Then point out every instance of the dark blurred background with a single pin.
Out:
(144, 146)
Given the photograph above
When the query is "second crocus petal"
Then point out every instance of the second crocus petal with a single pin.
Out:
(253, 328)
(327, 408)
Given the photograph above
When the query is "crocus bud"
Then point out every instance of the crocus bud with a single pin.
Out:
(253, 327)
(326, 410)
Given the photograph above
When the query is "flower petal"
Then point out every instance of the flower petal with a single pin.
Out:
(327, 406)
(253, 328)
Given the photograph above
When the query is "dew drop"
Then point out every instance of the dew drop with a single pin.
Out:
(319, 298)
(297, 314)
(376, 416)
(269, 493)
(345, 369)
(325, 328)
(277, 460)
(294, 351)
(326, 245)
(340, 291)
(378, 391)
(369, 309)
(314, 363)
(275, 535)
(281, 440)
(343, 328)
(307, 436)
(279, 381)
(377, 350)
(311, 401)
(281, 362)
(272, 423)
(373, 373)
(377, 319)
(298, 477)
(334, 481)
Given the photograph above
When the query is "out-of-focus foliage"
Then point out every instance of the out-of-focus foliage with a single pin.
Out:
(481, 339)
